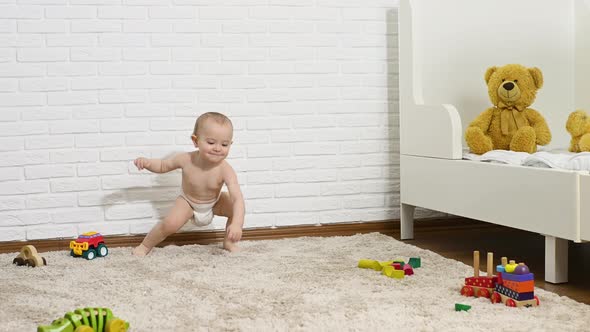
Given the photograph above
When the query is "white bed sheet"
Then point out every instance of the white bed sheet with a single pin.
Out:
(558, 158)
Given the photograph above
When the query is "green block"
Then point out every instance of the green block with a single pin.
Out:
(415, 262)
(462, 307)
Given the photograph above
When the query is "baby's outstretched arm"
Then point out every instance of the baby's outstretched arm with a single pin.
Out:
(157, 165)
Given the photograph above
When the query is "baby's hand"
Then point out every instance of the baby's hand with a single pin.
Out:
(234, 233)
(141, 163)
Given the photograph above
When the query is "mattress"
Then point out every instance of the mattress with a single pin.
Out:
(559, 159)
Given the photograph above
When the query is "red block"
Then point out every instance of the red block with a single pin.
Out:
(487, 282)
(408, 270)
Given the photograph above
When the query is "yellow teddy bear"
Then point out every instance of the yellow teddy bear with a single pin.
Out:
(578, 125)
(510, 124)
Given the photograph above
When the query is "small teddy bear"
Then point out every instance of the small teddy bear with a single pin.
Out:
(578, 125)
(510, 124)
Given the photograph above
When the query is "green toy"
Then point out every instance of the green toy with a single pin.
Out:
(87, 320)
(415, 262)
(462, 307)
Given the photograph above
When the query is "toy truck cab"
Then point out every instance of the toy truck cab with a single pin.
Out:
(89, 245)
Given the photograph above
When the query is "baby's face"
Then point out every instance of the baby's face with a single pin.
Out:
(214, 141)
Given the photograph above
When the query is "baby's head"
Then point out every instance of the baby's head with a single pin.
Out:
(213, 135)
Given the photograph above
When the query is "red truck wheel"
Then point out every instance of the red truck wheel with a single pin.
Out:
(102, 250)
(89, 254)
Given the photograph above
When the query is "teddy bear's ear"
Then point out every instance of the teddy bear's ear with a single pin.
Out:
(489, 73)
(537, 76)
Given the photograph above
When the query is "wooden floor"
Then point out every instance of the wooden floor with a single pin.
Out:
(459, 243)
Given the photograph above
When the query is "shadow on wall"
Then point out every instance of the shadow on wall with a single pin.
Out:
(146, 202)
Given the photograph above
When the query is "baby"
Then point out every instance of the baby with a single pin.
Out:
(203, 174)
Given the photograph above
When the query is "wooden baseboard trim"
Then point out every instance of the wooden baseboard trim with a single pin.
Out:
(387, 227)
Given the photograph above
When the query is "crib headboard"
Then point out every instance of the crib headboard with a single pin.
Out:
(446, 47)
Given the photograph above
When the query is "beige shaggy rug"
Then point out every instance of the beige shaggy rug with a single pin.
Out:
(301, 284)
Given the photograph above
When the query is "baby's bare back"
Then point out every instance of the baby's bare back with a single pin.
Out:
(198, 184)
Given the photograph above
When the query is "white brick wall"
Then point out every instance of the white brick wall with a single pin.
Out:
(86, 86)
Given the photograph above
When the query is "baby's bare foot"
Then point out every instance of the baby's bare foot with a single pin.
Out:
(140, 251)
(230, 246)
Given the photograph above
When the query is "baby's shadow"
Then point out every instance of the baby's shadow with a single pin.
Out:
(142, 195)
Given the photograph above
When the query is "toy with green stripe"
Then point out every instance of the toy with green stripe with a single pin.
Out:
(87, 320)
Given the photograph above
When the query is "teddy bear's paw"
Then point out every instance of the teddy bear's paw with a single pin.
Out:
(573, 146)
(543, 136)
(584, 143)
(524, 140)
(477, 141)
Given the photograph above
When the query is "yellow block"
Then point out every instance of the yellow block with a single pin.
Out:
(383, 264)
(388, 270)
(398, 274)
(391, 272)
(370, 264)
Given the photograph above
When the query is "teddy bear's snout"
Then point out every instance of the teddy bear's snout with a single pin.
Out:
(509, 91)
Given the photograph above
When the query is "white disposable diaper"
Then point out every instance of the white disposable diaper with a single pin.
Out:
(202, 213)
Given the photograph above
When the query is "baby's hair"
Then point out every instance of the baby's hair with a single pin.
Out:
(217, 117)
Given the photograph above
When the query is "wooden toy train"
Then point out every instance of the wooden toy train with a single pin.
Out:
(513, 284)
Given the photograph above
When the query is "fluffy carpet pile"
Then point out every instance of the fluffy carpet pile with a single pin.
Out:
(301, 284)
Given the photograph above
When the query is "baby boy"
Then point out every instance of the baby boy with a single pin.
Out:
(204, 172)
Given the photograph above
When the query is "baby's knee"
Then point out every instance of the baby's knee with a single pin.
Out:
(168, 227)
(224, 206)
(230, 212)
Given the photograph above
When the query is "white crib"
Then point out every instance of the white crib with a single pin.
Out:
(445, 49)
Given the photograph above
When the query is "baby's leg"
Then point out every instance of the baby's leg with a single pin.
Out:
(177, 217)
(224, 208)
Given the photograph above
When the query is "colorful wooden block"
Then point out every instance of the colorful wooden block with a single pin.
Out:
(397, 274)
(397, 266)
(388, 271)
(401, 262)
(415, 262)
(515, 295)
(370, 264)
(391, 272)
(517, 277)
(462, 307)
(486, 282)
(520, 287)
(386, 263)
(408, 270)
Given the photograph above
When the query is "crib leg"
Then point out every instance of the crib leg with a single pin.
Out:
(556, 260)
(407, 221)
